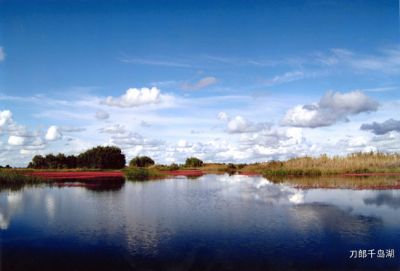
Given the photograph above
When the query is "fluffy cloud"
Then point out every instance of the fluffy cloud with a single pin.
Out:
(135, 97)
(19, 138)
(5, 118)
(382, 127)
(2, 54)
(202, 83)
(102, 115)
(53, 133)
(239, 124)
(333, 107)
(16, 140)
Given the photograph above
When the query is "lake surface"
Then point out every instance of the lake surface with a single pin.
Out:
(215, 222)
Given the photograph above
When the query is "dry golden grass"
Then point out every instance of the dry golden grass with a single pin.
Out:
(352, 163)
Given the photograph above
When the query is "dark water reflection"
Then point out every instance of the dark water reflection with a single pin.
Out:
(217, 222)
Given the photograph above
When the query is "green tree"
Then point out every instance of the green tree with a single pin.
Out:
(141, 161)
(51, 160)
(193, 162)
(61, 161)
(38, 161)
(108, 157)
(72, 161)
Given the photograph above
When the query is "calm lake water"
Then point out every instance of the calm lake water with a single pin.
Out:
(215, 222)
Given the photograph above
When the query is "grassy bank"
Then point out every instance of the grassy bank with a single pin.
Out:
(14, 176)
(325, 165)
(15, 179)
(141, 173)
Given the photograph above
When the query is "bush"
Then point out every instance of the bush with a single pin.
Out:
(141, 161)
(137, 174)
(141, 174)
(193, 162)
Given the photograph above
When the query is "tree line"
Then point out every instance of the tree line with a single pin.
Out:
(100, 157)
(145, 161)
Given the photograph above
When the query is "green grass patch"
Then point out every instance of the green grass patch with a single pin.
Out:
(142, 174)
(15, 179)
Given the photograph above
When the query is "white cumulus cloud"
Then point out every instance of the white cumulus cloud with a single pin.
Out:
(5, 118)
(239, 124)
(16, 140)
(53, 133)
(333, 107)
(135, 97)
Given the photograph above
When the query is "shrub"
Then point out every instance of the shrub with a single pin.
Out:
(141, 161)
(137, 174)
(193, 162)
(141, 173)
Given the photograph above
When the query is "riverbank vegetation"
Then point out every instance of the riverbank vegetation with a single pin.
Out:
(141, 161)
(141, 174)
(142, 168)
(357, 163)
(108, 162)
(15, 179)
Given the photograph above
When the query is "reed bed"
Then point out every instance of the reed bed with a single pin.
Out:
(142, 174)
(15, 179)
(325, 165)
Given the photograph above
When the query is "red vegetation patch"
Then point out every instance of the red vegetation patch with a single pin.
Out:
(77, 175)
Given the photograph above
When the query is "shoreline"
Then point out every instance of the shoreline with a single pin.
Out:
(93, 178)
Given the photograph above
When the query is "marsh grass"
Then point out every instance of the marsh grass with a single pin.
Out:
(15, 176)
(11, 179)
(325, 165)
(142, 174)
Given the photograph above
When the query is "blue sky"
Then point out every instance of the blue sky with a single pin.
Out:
(228, 81)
